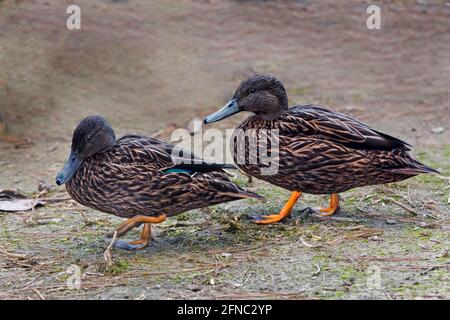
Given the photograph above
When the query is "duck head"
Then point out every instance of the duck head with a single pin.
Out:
(262, 95)
(92, 135)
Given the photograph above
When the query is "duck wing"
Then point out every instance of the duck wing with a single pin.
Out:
(158, 156)
(335, 126)
(163, 156)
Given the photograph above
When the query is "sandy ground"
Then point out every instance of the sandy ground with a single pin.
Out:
(145, 65)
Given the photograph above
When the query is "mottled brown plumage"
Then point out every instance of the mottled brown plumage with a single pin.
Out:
(320, 151)
(130, 179)
(324, 152)
(141, 176)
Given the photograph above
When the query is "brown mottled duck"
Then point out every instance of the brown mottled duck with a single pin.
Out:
(320, 151)
(142, 179)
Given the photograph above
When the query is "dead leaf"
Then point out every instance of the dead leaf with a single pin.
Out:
(10, 194)
(13, 201)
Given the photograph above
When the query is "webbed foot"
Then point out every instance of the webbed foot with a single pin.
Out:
(146, 233)
(286, 211)
(131, 245)
(334, 206)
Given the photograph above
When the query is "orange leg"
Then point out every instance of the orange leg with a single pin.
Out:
(334, 205)
(286, 211)
(141, 243)
(146, 232)
(136, 221)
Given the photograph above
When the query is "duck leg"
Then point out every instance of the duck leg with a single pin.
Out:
(286, 211)
(139, 244)
(334, 205)
(145, 233)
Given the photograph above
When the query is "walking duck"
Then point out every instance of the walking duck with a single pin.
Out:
(319, 151)
(139, 178)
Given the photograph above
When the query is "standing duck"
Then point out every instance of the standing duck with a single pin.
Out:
(142, 179)
(320, 151)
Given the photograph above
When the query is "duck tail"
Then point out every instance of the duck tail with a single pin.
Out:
(219, 181)
(243, 194)
(246, 194)
(414, 168)
(237, 192)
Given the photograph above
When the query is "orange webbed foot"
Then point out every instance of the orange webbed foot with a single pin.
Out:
(334, 206)
(286, 211)
(272, 218)
(139, 244)
(146, 233)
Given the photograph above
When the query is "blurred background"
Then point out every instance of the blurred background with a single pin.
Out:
(148, 65)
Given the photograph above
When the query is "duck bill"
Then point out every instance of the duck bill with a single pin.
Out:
(228, 110)
(70, 167)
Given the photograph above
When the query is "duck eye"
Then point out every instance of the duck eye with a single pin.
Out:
(88, 138)
(251, 90)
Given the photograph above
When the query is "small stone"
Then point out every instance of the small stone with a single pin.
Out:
(391, 221)
(212, 281)
(226, 254)
(374, 238)
(437, 130)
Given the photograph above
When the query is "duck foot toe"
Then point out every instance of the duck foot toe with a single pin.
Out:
(131, 245)
(332, 208)
(284, 212)
(325, 212)
(267, 219)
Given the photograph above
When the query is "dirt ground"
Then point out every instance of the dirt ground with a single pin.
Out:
(147, 64)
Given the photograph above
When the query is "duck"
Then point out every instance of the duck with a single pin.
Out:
(316, 150)
(142, 179)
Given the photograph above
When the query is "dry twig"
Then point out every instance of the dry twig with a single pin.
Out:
(39, 294)
(10, 255)
(107, 254)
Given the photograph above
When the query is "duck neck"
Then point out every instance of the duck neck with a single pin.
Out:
(271, 116)
(275, 110)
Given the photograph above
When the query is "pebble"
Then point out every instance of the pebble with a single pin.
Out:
(390, 221)
(374, 238)
(437, 130)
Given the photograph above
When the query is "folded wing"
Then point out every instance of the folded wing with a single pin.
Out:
(318, 120)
